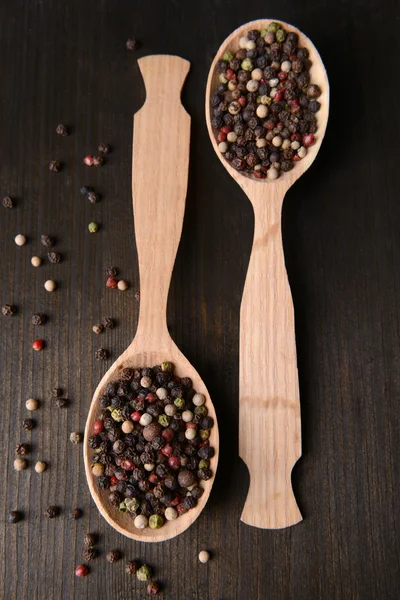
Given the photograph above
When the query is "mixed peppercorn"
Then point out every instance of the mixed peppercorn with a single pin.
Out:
(264, 105)
(151, 444)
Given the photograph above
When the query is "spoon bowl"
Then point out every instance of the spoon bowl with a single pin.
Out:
(159, 186)
(269, 405)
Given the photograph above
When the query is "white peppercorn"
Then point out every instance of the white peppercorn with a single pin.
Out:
(149, 466)
(145, 419)
(231, 137)
(252, 85)
(20, 464)
(302, 151)
(171, 513)
(286, 66)
(286, 144)
(50, 285)
(243, 42)
(250, 45)
(127, 426)
(272, 173)
(20, 239)
(204, 556)
(146, 381)
(170, 410)
(75, 437)
(277, 141)
(32, 404)
(190, 434)
(40, 466)
(261, 143)
(187, 416)
(141, 522)
(262, 111)
(257, 74)
(223, 147)
(295, 145)
(122, 285)
(273, 82)
(161, 393)
(198, 399)
(36, 261)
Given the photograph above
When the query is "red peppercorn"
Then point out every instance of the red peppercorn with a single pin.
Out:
(136, 415)
(282, 76)
(221, 137)
(308, 139)
(242, 100)
(279, 126)
(111, 283)
(98, 426)
(151, 397)
(259, 174)
(295, 137)
(168, 434)
(226, 129)
(174, 462)
(205, 443)
(113, 480)
(88, 160)
(279, 95)
(230, 74)
(38, 345)
(81, 571)
(167, 450)
(191, 426)
(153, 478)
(175, 501)
(269, 125)
(128, 465)
(181, 509)
(296, 157)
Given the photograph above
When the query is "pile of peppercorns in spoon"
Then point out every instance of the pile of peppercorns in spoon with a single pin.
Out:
(151, 444)
(264, 106)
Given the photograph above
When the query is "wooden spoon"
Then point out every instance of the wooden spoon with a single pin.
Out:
(159, 185)
(269, 406)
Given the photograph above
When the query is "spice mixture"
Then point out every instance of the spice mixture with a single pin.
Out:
(151, 444)
(264, 106)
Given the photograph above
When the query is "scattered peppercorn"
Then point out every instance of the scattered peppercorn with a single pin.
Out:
(38, 345)
(104, 148)
(111, 282)
(122, 285)
(62, 130)
(98, 161)
(47, 241)
(36, 261)
(20, 464)
(144, 573)
(131, 567)
(54, 257)
(39, 319)
(40, 466)
(51, 512)
(132, 44)
(50, 285)
(204, 556)
(108, 323)
(21, 449)
(27, 424)
(75, 437)
(101, 354)
(14, 516)
(81, 571)
(89, 540)
(32, 404)
(61, 402)
(54, 166)
(137, 296)
(85, 190)
(7, 202)
(97, 328)
(89, 554)
(56, 392)
(20, 239)
(8, 310)
(111, 271)
(113, 556)
(76, 513)
(92, 197)
(88, 160)
(153, 588)
(93, 227)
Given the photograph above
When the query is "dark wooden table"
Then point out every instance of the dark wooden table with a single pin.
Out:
(67, 62)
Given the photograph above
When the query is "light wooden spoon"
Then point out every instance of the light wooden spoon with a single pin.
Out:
(269, 406)
(159, 185)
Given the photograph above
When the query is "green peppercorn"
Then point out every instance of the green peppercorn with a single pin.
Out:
(116, 415)
(273, 27)
(164, 420)
(228, 56)
(122, 507)
(167, 366)
(179, 403)
(201, 410)
(156, 521)
(204, 434)
(263, 33)
(132, 504)
(93, 227)
(247, 64)
(144, 573)
(280, 35)
(204, 464)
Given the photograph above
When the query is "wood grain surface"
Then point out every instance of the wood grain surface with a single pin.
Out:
(67, 62)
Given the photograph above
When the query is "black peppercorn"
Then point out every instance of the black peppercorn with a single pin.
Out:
(62, 130)
(76, 513)
(89, 540)
(60, 402)
(197, 491)
(111, 271)
(104, 148)
(101, 354)
(89, 554)
(98, 161)
(93, 197)
(131, 567)
(103, 482)
(204, 474)
(39, 319)
(54, 257)
(27, 424)
(108, 323)
(8, 310)
(206, 452)
(21, 449)
(47, 241)
(51, 512)
(54, 166)
(113, 556)
(7, 202)
(189, 502)
(14, 516)
(132, 44)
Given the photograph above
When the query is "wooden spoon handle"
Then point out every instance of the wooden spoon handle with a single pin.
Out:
(269, 419)
(161, 141)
